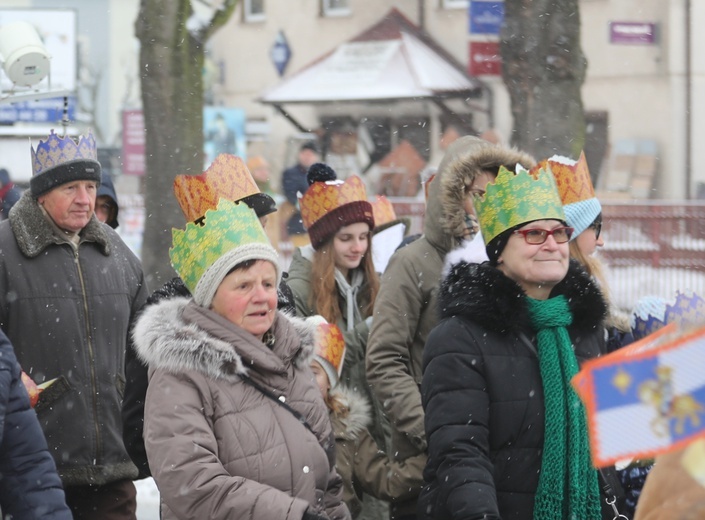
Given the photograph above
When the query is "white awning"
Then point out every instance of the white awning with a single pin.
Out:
(404, 67)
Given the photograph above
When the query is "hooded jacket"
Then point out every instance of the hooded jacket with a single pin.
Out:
(406, 307)
(30, 487)
(360, 463)
(67, 310)
(107, 189)
(239, 453)
(483, 396)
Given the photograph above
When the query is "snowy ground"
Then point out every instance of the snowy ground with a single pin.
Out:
(147, 500)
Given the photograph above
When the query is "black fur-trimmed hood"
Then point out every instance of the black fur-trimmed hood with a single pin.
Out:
(484, 295)
(34, 233)
(164, 339)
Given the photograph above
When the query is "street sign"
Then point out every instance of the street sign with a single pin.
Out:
(280, 53)
(643, 33)
(486, 16)
(133, 142)
(485, 59)
(49, 110)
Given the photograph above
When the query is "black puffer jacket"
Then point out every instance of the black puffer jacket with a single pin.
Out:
(482, 392)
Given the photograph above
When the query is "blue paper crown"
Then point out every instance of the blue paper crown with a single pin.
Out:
(60, 150)
(652, 313)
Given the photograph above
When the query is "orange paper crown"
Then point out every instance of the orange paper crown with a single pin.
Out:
(227, 178)
(330, 350)
(383, 211)
(323, 197)
(573, 180)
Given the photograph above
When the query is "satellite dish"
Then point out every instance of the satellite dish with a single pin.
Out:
(24, 58)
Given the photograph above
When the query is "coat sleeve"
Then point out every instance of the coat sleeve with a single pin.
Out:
(382, 477)
(456, 402)
(183, 454)
(396, 314)
(30, 486)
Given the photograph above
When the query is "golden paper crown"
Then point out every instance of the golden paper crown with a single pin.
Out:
(330, 345)
(58, 150)
(383, 211)
(227, 178)
(572, 178)
(323, 197)
(230, 234)
(514, 199)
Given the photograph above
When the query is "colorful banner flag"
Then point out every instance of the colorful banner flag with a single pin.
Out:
(647, 398)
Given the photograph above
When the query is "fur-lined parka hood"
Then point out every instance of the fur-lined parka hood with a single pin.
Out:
(464, 160)
(34, 233)
(354, 415)
(168, 336)
(484, 295)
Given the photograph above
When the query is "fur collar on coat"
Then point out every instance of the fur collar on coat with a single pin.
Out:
(484, 295)
(34, 233)
(355, 414)
(164, 339)
(464, 160)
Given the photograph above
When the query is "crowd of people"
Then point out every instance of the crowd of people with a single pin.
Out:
(439, 388)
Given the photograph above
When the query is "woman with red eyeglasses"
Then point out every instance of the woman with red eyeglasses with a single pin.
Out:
(507, 437)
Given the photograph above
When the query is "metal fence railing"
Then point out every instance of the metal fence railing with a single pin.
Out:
(653, 248)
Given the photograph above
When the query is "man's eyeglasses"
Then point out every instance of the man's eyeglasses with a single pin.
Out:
(536, 236)
(597, 226)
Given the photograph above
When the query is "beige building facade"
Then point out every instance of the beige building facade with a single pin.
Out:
(635, 93)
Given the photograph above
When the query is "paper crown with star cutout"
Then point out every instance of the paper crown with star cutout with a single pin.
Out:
(226, 178)
(330, 350)
(575, 188)
(515, 199)
(651, 313)
(328, 206)
(59, 160)
(203, 255)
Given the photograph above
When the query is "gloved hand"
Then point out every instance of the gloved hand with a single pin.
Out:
(312, 515)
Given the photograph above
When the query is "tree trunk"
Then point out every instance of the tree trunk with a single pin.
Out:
(171, 63)
(544, 69)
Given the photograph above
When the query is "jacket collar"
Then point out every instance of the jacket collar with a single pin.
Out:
(356, 413)
(164, 338)
(484, 295)
(34, 233)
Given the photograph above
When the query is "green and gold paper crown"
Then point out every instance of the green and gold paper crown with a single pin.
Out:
(230, 233)
(514, 199)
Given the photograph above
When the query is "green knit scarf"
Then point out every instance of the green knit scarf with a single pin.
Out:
(568, 486)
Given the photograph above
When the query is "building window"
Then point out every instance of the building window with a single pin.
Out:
(335, 7)
(253, 10)
(454, 4)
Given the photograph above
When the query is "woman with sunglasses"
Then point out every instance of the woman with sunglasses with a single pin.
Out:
(507, 436)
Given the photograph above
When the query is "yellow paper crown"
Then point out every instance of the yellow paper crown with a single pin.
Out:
(226, 178)
(323, 197)
(514, 199)
(383, 211)
(58, 150)
(197, 248)
(572, 178)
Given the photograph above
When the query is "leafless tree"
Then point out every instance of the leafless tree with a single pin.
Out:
(544, 69)
(172, 35)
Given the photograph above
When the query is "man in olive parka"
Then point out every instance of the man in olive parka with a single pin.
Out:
(406, 307)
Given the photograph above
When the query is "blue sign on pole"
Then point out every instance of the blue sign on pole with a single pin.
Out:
(280, 53)
(41, 111)
(486, 16)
